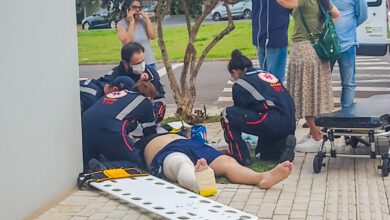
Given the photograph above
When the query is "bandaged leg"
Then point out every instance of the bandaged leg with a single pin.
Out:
(205, 178)
(178, 167)
(199, 178)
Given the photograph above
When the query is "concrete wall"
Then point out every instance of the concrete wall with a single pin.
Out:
(40, 137)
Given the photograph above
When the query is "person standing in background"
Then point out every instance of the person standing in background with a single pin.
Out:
(136, 26)
(309, 78)
(352, 14)
(269, 34)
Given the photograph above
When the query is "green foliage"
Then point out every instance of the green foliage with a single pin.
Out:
(195, 7)
(114, 8)
(81, 4)
(104, 46)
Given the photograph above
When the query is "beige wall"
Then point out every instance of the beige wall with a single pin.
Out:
(40, 137)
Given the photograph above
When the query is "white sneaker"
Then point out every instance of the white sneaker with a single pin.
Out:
(309, 146)
(304, 139)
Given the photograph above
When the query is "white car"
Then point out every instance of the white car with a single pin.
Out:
(242, 9)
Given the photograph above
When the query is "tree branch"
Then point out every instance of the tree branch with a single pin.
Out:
(186, 63)
(209, 6)
(187, 16)
(217, 38)
(188, 53)
(177, 95)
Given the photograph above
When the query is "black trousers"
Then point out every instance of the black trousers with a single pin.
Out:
(271, 127)
(113, 145)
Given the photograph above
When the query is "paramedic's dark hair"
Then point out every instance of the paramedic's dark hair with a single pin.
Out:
(238, 61)
(146, 88)
(129, 49)
(126, 6)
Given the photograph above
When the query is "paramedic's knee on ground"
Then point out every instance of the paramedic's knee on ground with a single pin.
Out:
(178, 167)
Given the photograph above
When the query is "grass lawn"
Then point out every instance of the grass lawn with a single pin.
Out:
(103, 45)
(258, 165)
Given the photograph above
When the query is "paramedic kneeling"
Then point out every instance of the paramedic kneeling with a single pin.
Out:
(179, 159)
(113, 125)
(91, 90)
(262, 107)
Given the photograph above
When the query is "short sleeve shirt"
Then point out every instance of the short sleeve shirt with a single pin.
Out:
(141, 37)
(311, 13)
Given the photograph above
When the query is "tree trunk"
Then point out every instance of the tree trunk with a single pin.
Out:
(185, 93)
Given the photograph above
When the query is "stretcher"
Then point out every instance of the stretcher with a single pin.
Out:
(364, 122)
(158, 196)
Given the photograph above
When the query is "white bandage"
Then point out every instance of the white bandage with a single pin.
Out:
(179, 167)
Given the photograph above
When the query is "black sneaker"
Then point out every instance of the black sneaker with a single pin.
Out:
(288, 152)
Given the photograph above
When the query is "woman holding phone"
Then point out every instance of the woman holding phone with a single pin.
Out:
(136, 26)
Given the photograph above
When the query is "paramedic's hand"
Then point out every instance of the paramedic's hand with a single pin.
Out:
(144, 76)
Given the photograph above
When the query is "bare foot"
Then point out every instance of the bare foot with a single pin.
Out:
(277, 174)
(201, 165)
(290, 168)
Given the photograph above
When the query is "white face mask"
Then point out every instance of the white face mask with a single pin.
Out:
(139, 68)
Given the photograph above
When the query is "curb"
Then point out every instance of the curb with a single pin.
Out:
(159, 61)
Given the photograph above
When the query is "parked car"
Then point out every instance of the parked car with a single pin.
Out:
(242, 9)
(99, 19)
(372, 34)
(150, 10)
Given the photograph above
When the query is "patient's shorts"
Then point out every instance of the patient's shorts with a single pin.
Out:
(193, 149)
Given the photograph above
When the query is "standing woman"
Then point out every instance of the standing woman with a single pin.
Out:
(136, 26)
(309, 78)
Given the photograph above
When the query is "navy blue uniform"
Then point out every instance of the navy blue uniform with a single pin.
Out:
(262, 107)
(114, 124)
(90, 92)
(193, 149)
(154, 78)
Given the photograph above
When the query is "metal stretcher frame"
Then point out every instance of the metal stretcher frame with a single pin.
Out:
(369, 118)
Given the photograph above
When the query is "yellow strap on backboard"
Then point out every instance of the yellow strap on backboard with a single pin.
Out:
(116, 173)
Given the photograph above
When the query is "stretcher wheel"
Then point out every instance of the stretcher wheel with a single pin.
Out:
(385, 167)
(318, 162)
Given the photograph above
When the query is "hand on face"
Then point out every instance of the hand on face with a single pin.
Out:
(143, 14)
(130, 15)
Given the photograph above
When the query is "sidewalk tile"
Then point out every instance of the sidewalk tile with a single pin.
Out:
(298, 214)
(345, 189)
(280, 217)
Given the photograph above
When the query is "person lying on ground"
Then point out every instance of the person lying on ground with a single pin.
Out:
(180, 159)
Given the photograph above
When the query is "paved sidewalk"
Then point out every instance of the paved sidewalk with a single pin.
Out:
(345, 189)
